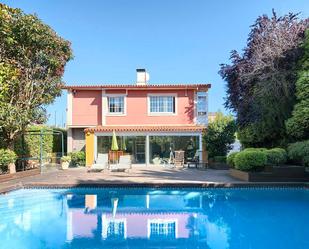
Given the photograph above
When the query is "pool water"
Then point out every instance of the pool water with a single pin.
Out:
(248, 218)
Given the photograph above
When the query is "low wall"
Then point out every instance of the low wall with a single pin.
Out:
(277, 174)
(21, 174)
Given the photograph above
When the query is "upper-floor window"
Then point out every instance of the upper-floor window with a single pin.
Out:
(162, 104)
(202, 104)
(114, 228)
(202, 108)
(116, 105)
(161, 229)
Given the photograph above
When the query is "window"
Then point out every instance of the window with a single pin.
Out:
(202, 108)
(160, 229)
(116, 105)
(201, 105)
(161, 146)
(162, 104)
(114, 229)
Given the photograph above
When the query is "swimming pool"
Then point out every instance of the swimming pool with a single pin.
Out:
(155, 218)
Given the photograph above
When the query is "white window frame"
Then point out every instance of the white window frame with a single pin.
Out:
(124, 105)
(201, 119)
(174, 95)
(106, 221)
(162, 221)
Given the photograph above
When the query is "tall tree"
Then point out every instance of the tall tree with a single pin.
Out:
(32, 61)
(298, 125)
(261, 81)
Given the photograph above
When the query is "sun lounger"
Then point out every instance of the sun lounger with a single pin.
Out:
(100, 164)
(125, 163)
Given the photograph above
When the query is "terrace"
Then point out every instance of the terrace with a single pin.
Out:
(137, 176)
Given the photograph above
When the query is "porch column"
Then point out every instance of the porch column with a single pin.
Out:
(89, 148)
(201, 147)
(147, 150)
(104, 107)
(69, 140)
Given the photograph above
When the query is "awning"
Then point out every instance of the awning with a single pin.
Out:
(147, 128)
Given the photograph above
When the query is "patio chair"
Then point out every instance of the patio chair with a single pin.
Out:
(179, 158)
(125, 163)
(100, 164)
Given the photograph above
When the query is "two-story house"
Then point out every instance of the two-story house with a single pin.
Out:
(149, 120)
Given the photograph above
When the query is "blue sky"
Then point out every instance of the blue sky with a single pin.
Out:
(175, 40)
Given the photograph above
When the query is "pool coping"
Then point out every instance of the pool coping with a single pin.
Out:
(205, 185)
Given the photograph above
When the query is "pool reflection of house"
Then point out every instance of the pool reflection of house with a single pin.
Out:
(135, 217)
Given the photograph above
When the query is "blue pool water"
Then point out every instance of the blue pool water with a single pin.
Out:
(155, 218)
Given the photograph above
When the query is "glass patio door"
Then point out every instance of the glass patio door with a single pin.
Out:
(131, 145)
(140, 149)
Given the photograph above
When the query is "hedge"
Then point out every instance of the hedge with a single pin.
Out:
(276, 156)
(6, 157)
(299, 153)
(29, 145)
(230, 159)
(250, 160)
(255, 149)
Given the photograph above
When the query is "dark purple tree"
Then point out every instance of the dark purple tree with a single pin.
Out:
(261, 81)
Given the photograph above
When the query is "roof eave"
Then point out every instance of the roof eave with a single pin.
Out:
(135, 87)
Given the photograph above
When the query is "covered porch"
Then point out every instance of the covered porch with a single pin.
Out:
(147, 145)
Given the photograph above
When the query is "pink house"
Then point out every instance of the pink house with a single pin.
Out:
(150, 120)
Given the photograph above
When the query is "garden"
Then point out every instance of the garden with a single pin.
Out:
(268, 93)
(276, 164)
(33, 58)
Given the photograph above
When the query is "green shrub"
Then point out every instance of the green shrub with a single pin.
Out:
(66, 159)
(255, 149)
(78, 158)
(230, 159)
(276, 156)
(299, 153)
(220, 159)
(6, 157)
(220, 135)
(250, 160)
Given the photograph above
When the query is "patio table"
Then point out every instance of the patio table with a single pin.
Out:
(202, 165)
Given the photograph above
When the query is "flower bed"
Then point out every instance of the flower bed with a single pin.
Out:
(265, 165)
(284, 173)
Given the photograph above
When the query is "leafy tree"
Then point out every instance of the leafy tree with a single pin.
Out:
(220, 135)
(298, 125)
(32, 61)
(261, 81)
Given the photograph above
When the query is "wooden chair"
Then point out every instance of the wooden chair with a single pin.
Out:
(179, 159)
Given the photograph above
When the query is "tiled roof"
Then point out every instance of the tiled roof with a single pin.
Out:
(148, 128)
(134, 86)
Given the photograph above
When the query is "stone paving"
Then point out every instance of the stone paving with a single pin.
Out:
(137, 175)
(152, 176)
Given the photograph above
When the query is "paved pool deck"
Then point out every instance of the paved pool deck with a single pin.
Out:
(138, 176)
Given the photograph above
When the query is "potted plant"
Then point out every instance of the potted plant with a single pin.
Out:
(65, 162)
(78, 158)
